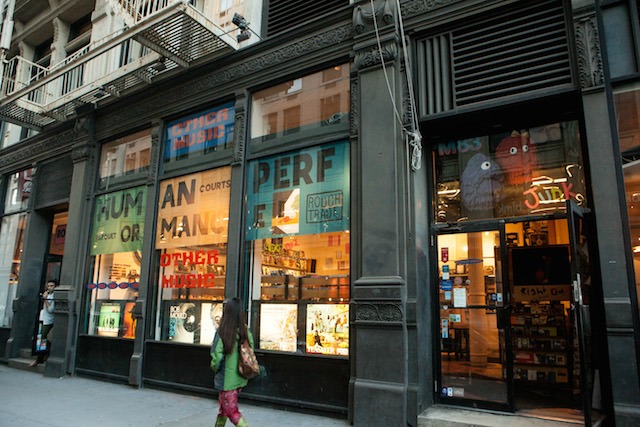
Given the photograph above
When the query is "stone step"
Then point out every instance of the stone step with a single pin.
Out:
(446, 416)
(23, 363)
(25, 353)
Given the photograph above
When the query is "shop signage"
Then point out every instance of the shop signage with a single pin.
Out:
(300, 192)
(444, 256)
(542, 293)
(194, 209)
(198, 132)
(118, 221)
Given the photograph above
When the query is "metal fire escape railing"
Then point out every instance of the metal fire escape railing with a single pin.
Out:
(160, 36)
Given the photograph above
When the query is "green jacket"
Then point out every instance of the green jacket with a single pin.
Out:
(232, 379)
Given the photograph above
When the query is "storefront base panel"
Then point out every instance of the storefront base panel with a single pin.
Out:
(104, 356)
(180, 364)
(306, 382)
(312, 382)
(4, 337)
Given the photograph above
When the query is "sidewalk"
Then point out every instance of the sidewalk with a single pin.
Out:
(30, 400)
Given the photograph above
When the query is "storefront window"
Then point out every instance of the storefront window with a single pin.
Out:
(627, 104)
(191, 244)
(11, 238)
(12, 232)
(299, 251)
(201, 133)
(523, 172)
(116, 245)
(125, 156)
(18, 191)
(304, 104)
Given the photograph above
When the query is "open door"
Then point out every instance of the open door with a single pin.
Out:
(473, 364)
(587, 376)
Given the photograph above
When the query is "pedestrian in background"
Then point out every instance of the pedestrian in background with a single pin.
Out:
(224, 362)
(46, 318)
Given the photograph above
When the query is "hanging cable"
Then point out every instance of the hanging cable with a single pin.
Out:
(413, 136)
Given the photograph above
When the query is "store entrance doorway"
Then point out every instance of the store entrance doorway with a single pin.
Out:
(514, 318)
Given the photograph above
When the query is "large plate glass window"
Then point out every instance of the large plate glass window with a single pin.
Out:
(627, 102)
(125, 156)
(116, 254)
(12, 232)
(191, 245)
(299, 249)
(521, 172)
(309, 105)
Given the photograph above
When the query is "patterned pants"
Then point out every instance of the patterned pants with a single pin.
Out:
(228, 401)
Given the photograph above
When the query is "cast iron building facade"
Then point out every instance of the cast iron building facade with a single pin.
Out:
(425, 205)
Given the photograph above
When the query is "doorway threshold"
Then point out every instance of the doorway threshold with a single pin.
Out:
(452, 416)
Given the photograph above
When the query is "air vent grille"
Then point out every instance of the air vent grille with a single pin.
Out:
(284, 14)
(508, 53)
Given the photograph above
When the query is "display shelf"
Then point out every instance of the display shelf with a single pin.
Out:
(539, 343)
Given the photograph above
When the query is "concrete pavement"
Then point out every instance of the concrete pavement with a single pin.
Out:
(28, 399)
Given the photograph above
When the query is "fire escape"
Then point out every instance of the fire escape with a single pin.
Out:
(160, 38)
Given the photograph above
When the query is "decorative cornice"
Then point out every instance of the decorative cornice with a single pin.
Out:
(382, 13)
(366, 58)
(415, 7)
(378, 312)
(236, 72)
(589, 53)
(61, 306)
(28, 152)
(81, 153)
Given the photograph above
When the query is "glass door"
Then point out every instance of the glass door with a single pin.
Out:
(472, 358)
(586, 375)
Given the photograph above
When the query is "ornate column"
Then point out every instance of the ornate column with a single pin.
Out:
(379, 317)
(146, 289)
(614, 302)
(69, 293)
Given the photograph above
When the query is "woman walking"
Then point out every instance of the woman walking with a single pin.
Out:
(224, 362)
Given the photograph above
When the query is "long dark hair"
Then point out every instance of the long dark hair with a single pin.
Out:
(232, 323)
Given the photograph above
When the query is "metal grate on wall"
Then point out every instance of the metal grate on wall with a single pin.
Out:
(284, 14)
(54, 182)
(510, 52)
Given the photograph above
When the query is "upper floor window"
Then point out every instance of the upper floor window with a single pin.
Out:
(125, 156)
(18, 191)
(302, 106)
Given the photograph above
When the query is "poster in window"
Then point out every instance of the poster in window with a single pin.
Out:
(299, 192)
(183, 322)
(193, 210)
(210, 315)
(128, 321)
(109, 320)
(201, 132)
(328, 329)
(118, 221)
(278, 327)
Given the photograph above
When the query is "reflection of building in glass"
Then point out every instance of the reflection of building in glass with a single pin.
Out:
(315, 100)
